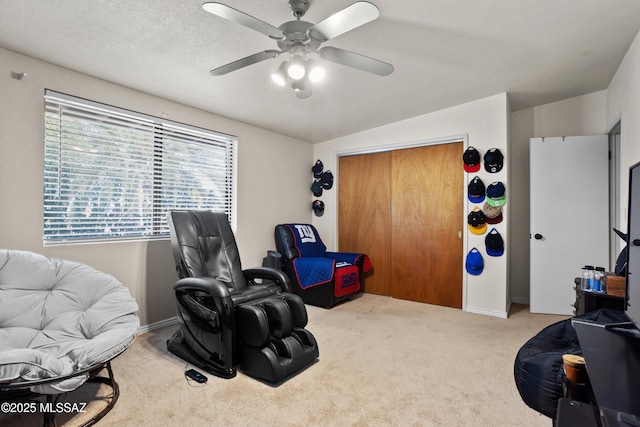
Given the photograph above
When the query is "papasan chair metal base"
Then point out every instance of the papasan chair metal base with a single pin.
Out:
(21, 392)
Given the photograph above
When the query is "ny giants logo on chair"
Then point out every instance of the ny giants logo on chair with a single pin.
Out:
(306, 233)
(348, 280)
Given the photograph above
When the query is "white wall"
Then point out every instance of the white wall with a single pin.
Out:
(485, 124)
(582, 115)
(268, 163)
(623, 103)
(522, 125)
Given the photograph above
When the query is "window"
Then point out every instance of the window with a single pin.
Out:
(112, 174)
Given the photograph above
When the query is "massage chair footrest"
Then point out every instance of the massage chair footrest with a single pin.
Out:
(273, 343)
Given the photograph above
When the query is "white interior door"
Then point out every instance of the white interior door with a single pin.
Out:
(569, 216)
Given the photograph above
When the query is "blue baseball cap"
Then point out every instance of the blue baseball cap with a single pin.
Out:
(474, 263)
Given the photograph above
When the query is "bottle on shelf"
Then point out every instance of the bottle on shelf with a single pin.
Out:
(588, 274)
(599, 280)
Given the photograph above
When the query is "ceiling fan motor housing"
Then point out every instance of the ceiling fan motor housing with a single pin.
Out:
(299, 7)
(295, 34)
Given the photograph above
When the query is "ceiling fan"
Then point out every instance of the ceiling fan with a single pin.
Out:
(302, 40)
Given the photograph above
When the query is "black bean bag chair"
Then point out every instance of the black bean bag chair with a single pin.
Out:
(538, 368)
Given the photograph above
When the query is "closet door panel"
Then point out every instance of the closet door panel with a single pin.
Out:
(364, 218)
(426, 221)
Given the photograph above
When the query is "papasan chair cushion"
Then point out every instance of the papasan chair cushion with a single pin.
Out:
(57, 318)
(538, 368)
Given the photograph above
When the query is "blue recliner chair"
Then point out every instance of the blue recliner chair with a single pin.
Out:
(321, 278)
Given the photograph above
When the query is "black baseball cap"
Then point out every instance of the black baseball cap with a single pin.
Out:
(494, 243)
(326, 180)
(316, 188)
(496, 194)
(477, 221)
(318, 207)
(317, 169)
(493, 160)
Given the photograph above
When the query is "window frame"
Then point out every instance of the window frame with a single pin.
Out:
(166, 149)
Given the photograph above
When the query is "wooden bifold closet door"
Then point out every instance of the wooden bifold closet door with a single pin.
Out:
(404, 209)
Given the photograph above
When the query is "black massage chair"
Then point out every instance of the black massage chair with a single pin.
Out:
(232, 318)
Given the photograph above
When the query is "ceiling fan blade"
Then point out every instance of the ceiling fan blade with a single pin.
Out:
(244, 62)
(234, 15)
(347, 19)
(355, 60)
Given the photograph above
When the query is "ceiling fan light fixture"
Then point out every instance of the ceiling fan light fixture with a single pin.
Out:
(296, 68)
(302, 88)
(303, 94)
(299, 39)
(297, 85)
(279, 76)
(315, 70)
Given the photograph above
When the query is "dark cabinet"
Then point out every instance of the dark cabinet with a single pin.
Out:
(588, 301)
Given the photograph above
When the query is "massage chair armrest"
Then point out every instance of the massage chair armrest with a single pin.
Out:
(269, 273)
(213, 287)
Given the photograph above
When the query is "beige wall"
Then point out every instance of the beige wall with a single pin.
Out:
(484, 124)
(273, 180)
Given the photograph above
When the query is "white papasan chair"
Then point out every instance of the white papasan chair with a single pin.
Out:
(61, 323)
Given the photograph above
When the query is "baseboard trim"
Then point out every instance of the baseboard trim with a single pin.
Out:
(502, 315)
(523, 301)
(157, 325)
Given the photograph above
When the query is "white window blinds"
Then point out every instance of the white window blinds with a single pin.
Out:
(110, 173)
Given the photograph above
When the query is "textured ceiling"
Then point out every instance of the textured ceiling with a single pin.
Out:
(445, 53)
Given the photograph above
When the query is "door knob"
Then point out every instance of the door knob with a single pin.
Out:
(636, 242)
(538, 236)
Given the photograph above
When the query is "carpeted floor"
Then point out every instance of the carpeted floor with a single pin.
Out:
(383, 362)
